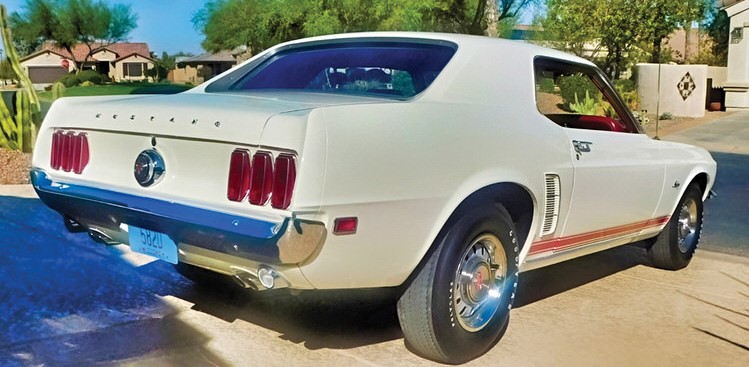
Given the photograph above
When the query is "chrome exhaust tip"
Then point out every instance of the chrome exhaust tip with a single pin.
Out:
(265, 278)
(72, 225)
(101, 237)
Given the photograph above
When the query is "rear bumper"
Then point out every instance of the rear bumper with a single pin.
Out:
(290, 242)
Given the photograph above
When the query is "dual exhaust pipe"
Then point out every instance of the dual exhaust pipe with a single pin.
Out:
(265, 277)
(73, 226)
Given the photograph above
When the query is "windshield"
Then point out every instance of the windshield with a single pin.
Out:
(398, 69)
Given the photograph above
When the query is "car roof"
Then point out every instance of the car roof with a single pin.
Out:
(463, 41)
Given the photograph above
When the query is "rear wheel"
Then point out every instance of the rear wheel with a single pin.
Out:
(675, 245)
(458, 305)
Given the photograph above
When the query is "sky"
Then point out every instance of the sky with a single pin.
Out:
(166, 25)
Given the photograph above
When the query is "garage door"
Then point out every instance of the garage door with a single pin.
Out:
(46, 74)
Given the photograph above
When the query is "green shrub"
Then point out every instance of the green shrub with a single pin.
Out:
(625, 86)
(546, 85)
(666, 116)
(588, 106)
(572, 85)
(69, 80)
(91, 76)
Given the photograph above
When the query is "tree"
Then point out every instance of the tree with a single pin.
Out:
(70, 22)
(718, 26)
(259, 24)
(659, 18)
(620, 27)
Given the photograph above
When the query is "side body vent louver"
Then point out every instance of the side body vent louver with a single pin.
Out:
(551, 209)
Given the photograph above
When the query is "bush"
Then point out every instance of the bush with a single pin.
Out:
(546, 85)
(579, 85)
(91, 76)
(69, 80)
(625, 85)
(666, 116)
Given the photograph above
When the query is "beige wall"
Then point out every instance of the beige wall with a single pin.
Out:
(118, 71)
(45, 59)
(188, 74)
(104, 55)
(669, 98)
(737, 85)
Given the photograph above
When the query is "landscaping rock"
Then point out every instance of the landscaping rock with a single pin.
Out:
(14, 167)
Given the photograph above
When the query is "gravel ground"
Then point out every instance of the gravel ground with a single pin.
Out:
(14, 167)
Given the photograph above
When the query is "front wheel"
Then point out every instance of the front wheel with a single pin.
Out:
(458, 305)
(675, 245)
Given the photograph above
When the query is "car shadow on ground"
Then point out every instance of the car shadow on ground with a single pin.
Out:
(348, 319)
(65, 300)
(87, 282)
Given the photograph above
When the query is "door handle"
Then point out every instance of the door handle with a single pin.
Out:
(581, 146)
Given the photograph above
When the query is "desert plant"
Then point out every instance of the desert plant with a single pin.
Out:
(19, 131)
(58, 90)
(666, 116)
(572, 85)
(546, 85)
(642, 117)
(588, 106)
(628, 91)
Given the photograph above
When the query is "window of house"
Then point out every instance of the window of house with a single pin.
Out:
(133, 69)
(579, 97)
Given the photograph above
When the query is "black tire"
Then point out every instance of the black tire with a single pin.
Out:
(432, 311)
(675, 245)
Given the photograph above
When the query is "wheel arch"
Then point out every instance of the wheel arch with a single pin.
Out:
(515, 198)
(701, 179)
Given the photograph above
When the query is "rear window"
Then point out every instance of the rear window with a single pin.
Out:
(397, 69)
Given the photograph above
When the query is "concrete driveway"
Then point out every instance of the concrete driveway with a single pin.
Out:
(65, 300)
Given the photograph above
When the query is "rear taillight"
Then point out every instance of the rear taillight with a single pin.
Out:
(69, 151)
(239, 175)
(283, 181)
(260, 180)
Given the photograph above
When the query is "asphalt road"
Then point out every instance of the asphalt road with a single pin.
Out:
(726, 228)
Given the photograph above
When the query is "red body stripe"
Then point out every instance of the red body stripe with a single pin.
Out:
(563, 243)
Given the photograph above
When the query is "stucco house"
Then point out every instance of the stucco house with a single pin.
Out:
(737, 85)
(197, 69)
(120, 61)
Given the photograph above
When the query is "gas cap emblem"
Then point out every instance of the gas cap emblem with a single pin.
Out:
(149, 167)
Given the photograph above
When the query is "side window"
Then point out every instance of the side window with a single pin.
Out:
(578, 97)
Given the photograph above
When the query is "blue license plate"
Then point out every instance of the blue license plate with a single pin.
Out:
(152, 243)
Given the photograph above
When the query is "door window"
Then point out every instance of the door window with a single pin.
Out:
(578, 96)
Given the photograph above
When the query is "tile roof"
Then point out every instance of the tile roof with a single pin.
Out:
(221, 56)
(121, 49)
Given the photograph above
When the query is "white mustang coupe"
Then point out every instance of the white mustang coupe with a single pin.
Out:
(441, 165)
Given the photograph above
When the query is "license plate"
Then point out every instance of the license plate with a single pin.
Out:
(152, 243)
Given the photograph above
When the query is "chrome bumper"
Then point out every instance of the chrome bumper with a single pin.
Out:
(291, 242)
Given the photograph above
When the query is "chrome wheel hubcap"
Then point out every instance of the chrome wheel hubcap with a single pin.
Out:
(687, 226)
(479, 282)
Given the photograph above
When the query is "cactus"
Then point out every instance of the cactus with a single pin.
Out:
(58, 90)
(587, 107)
(19, 131)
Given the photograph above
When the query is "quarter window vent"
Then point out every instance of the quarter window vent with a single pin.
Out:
(551, 208)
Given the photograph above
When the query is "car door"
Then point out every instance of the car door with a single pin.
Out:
(618, 171)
